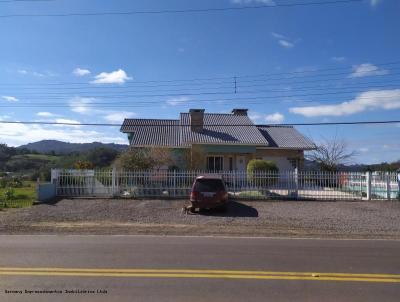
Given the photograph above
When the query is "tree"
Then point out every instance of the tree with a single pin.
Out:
(329, 154)
(194, 158)
(144, 158)
(101, 157)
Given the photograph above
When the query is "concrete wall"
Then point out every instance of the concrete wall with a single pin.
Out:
(46, 192)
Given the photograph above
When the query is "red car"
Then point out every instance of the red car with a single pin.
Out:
(208, 192)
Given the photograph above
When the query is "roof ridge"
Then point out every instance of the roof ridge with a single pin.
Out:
(151, 119)
(213, 113)
(274, 126)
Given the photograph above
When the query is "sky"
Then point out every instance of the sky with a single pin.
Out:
(299, 64)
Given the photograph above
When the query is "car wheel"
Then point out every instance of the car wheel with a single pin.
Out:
(223, 208)
(192, 209)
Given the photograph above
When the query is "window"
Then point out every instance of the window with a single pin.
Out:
(230, 163)
(209, 185)
(294, 162)
(215, 163)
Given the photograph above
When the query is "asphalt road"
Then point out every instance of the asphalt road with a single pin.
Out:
(151, 268)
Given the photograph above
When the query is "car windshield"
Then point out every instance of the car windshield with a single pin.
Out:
(209, 185)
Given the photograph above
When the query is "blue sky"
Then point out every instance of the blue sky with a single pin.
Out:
(337, 62)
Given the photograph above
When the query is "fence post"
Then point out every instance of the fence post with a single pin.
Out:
(174, 183)
(369, 182)
(388, 190)
(234, 183)
(296, 183)
(54, 175)
(113, 181)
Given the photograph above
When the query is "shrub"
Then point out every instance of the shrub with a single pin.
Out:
(11, 182)
(144, 159)
(258, 165)
(9, 194)
(83, 165)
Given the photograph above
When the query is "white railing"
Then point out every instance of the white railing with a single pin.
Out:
(299, 185)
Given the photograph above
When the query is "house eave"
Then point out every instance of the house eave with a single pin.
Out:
(286, 148)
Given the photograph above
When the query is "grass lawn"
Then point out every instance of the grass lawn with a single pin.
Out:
(23, 197)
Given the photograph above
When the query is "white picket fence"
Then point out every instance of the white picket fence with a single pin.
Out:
(301, 185)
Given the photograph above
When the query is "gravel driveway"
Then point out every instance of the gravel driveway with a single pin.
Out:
(253, 218)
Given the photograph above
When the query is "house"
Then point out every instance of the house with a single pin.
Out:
(229, 141)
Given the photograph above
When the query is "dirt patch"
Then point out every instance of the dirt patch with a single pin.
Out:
(165, 217)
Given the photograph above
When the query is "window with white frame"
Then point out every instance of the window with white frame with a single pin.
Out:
(215, 163)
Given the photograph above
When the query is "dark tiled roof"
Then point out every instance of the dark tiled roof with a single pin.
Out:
(175, 133)
(285, 137)
(153, 132)
(245, 133)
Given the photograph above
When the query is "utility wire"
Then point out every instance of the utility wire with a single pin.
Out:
(60, 95)
(15, 1)
(247, 101)
(211, 94)
(231, 78)
(182, 11)
(211, 125)
(332, 85)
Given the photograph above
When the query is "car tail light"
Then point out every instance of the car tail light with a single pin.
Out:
(194, 195)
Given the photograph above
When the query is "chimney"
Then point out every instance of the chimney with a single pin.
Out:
(196, 119)
(238, 111)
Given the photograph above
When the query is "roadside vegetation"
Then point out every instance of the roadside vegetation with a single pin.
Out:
(15, 193)
(29, 165)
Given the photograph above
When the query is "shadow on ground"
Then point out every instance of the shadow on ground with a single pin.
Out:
(234, 209)
(50, 202)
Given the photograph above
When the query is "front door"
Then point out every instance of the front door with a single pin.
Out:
(241, 163)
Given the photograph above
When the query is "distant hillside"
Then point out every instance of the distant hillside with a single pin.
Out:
(59, 147)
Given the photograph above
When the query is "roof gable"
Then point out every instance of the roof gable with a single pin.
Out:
(222, 129)
(285, 137)
(153, 132)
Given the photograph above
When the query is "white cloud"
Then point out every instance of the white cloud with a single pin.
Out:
(79, 72)
(269, 118)
(375, 2)
(81, 105)
(278, 36)
(45, 114)
(255, 116)
(18, 134)
(285, 43)
(367, 69)
(118, 116)
(67, 121)
(9, 98)
(369, 100)
(177, 101)
(36, 73)
(266, 2)
(275, 118)
(338, 59)
(283, 40)
(85, 106)
(115, 77)
(363, 149)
